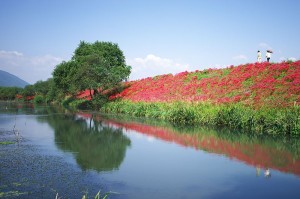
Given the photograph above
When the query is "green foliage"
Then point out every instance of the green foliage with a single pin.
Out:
(225, 72)
(9, 93)
(28, 91)
(236, 116)
(98, 101)
(42, 87)
(38, 99)
(54, 93)
(247, 83)
(73, 103)
(61, 75)
(179, 113)
(205, 74)
(99, 65)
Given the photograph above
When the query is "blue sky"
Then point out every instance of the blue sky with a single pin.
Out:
(156, 36)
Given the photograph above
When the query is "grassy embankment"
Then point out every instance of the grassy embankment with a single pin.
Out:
(260, 98)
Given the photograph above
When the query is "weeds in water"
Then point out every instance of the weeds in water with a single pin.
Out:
(6, 143)
(16, 132)
(97, 196)
(12, 194)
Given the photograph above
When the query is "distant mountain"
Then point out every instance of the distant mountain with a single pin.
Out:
(9, 80)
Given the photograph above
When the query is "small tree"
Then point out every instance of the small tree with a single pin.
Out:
(94, 66)
(28, 92)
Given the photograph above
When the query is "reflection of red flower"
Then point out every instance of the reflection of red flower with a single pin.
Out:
(250, 153)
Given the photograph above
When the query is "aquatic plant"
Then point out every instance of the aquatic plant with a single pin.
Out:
(97, 196)
(6, 142)
(85, 196)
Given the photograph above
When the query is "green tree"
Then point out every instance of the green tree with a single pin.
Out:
(42, 87)
(9, 93)
(62, 76)
(28, 91)
(54, 93)
(94, 66)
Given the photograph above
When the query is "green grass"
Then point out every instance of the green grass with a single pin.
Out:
(269, 121)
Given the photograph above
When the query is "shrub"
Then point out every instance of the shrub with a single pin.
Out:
(98, 101)
(38, 99)
(79, 104)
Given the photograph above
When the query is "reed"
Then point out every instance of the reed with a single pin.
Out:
(265, 120)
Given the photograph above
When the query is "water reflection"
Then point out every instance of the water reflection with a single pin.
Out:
(178, 162)
(282, 154)
(95, 145)
(100, 144)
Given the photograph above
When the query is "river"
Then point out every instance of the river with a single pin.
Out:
(48, 151)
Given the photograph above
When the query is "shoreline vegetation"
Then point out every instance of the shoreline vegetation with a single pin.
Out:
(260, 98)
(268, 121)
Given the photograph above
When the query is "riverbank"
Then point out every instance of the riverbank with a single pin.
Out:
(260, 98)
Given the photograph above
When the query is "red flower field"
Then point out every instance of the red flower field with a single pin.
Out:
(256, 84)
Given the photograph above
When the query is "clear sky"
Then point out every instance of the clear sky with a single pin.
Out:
(156, 36)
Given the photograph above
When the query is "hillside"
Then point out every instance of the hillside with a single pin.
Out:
(9, 80)
(256, 84)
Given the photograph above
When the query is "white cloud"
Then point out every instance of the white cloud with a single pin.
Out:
(265, 46)
(292, 59)
(287, 59)
(7, 54)
(240, 57)
(153, 65)
(30, 69)
(282, 59)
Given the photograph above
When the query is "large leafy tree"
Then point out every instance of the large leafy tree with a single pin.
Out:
(62, 75)
(94, 66)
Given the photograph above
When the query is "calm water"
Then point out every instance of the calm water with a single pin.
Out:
(76, 153)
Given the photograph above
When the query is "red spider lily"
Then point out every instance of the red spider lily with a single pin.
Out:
(252, 84)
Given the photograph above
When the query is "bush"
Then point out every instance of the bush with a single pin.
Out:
(98, 101)
(38, 99)
(79, 104)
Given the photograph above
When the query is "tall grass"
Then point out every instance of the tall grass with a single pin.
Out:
(237, 116)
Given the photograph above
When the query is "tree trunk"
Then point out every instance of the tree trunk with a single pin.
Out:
(91, 94)
(95, 91)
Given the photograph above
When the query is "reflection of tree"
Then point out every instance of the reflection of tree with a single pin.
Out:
(96, 146)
